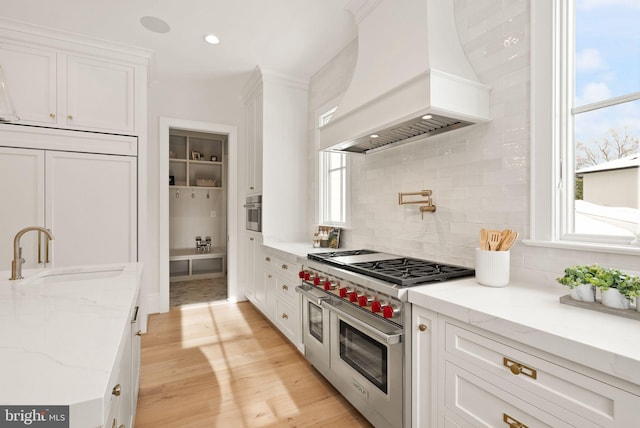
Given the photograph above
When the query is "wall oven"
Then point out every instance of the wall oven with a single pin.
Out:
(253, 207)
(355, 316)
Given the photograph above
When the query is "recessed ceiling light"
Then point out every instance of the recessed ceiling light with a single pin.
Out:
(212, 39)
(374, 135)
(427, 117)
(154, 24)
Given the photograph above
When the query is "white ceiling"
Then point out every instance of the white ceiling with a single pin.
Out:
(294, 37)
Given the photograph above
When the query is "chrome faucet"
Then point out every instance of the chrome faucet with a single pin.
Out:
(16, 263)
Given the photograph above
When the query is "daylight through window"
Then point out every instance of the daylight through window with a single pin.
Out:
(603, 196)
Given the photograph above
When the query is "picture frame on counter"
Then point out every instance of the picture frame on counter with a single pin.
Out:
(333, 234)
(196, 155)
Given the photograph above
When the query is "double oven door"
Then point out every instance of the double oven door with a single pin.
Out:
(362, 357)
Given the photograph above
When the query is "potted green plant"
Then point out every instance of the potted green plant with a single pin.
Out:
(617, 289)
(579, 280)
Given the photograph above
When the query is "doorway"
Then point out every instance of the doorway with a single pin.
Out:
(186, 151)
(197, 217)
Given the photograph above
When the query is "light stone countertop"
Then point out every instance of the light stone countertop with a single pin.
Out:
(59, 338)
(534, 316)
(297, 249)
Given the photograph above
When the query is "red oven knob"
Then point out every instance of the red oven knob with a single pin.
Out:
(376, 306)
(327, 285)
(363, 300)
(307, 276)
(316, 280)
(388, 311)
(301, 274)
(353, 296)
(343, 292)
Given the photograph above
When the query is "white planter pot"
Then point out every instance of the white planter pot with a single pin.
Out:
(583, 293)
(613, 299)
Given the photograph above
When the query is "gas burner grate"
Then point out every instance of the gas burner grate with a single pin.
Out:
(407, 271)
(332, 254)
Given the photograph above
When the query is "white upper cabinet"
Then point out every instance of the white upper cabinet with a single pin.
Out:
(31, 75)
(253, 110)
(99, 95)
(74, 85)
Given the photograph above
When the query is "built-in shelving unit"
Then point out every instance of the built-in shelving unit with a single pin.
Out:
(196, 161)
(197, 204)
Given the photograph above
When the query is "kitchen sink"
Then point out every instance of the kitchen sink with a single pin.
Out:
(75, 274)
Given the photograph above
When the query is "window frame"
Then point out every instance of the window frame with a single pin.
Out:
(551, 99)
(323, 175)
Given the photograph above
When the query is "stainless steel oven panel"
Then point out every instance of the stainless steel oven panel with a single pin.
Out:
(253, 207)
(382, 409)
(315, 329)
(378, 329)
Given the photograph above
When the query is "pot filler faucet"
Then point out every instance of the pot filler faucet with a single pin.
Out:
(16, 263)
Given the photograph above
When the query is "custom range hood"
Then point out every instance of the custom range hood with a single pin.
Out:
(412, 79)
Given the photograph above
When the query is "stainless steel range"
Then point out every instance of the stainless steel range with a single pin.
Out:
(355, 315)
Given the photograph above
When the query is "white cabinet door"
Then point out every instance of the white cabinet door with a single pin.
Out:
(22, 190)
(30, 75)
(254, 270)
(91, 208)
(99, 95)
(424, 363)
(254, 117)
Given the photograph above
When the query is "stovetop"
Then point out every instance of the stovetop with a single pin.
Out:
(403, 271)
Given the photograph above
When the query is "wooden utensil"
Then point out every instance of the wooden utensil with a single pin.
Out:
(494, 239)
(509, 241)
(484, 239)
(503, 236)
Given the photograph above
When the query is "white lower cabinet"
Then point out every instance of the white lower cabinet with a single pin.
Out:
(282, 301)
(424, 354)
(465, 376)
(253, 269)
(122, 390)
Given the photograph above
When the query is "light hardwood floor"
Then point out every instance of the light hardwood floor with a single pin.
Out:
(224, 365)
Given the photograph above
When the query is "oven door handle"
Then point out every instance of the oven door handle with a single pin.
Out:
(386, 338)
(311, 296)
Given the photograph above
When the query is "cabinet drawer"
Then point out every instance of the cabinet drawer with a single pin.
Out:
(286, 290)
(287, 269)
(471, 402)
(542, 380)
(286, 318)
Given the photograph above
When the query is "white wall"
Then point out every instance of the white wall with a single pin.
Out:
(479, 175)
(215, 101)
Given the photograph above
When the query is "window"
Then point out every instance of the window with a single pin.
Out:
(585, 124)
(333, 182)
